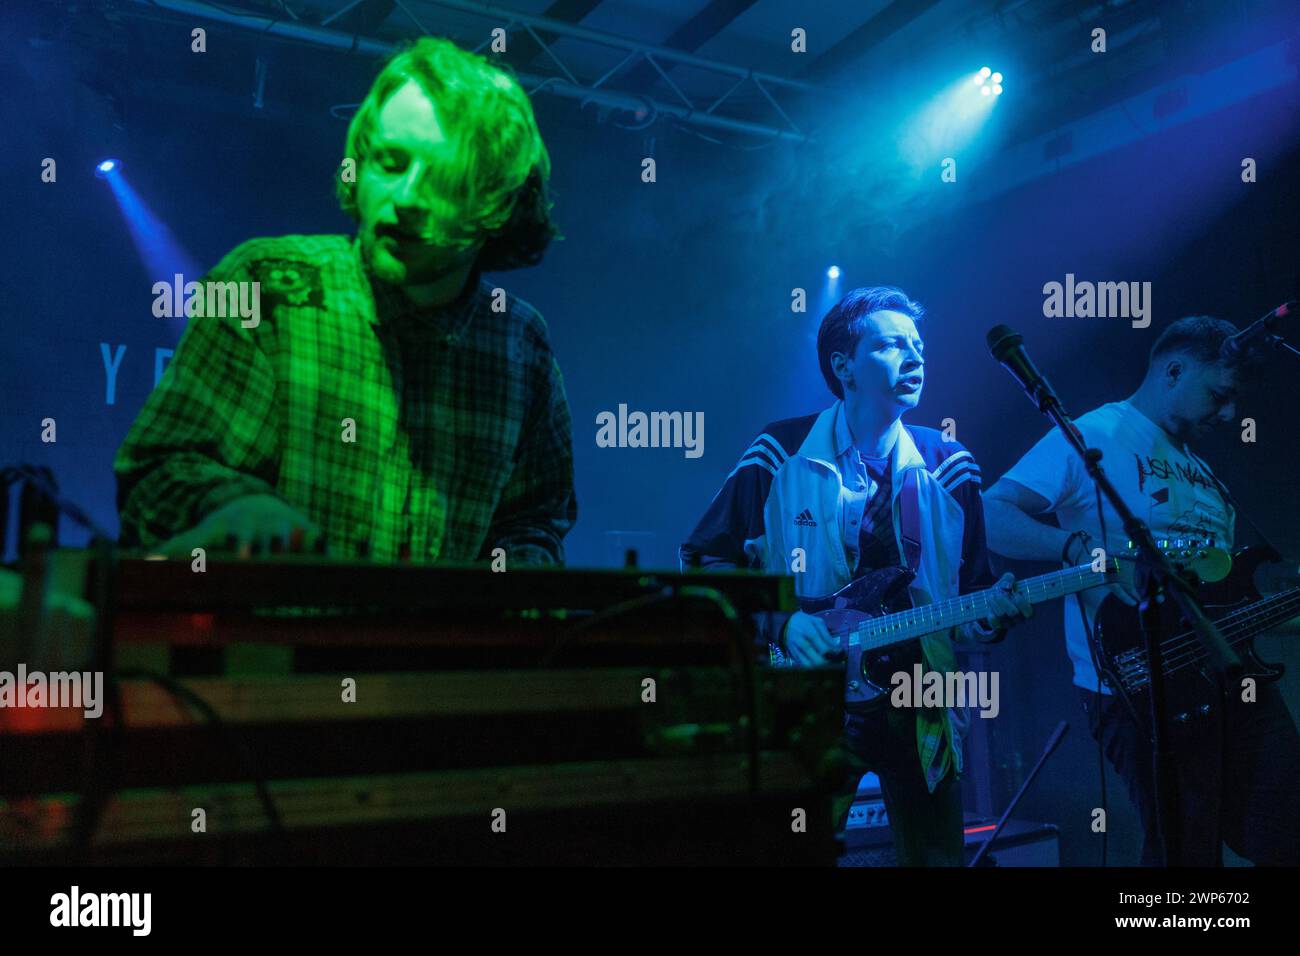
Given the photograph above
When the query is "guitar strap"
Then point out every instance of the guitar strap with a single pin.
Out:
(909, 520)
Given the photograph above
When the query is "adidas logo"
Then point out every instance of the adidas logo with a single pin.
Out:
(805, 519)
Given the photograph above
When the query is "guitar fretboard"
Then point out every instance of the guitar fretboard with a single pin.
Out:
(1184, 650)
(891, 629)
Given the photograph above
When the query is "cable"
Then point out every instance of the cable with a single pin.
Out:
(1231, 502)
(42, 480)
(183, 695)
(1101, 751)
(679, 595)
(100, 786)
(651, 117)
(1089, 640)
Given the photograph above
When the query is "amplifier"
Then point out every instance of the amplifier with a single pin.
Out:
(1021, 843)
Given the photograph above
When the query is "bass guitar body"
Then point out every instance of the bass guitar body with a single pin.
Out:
(1192, 696)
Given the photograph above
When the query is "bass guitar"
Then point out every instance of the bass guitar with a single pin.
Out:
(1191, 691)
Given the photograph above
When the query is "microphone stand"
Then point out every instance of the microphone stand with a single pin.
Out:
(1156, 579)
(1057, 735)
(1261, 329)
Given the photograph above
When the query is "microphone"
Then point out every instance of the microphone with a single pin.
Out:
(1007, 346)
(1258, 333)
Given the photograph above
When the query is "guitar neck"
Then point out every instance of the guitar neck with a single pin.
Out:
(1237, 627)
(889, 629)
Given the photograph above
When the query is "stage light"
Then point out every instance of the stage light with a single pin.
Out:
(160, 252)
(949, 120)
(990, 83)
(833, 272)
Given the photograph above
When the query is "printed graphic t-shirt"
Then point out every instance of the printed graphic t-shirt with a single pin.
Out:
(1163, 482)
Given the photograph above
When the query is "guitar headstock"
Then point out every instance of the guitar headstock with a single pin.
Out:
(1210, 564)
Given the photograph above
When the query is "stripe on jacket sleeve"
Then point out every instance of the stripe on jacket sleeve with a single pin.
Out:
(766, 452)
(767, 443)
(952, 461)
(760, 458)
(961, 475)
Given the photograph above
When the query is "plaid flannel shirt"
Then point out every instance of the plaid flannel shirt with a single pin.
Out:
(462, 435)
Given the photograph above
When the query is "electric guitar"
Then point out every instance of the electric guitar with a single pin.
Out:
(1191, 692)
(878, 640)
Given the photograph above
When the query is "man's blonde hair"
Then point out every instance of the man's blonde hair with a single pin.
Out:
(502, 162)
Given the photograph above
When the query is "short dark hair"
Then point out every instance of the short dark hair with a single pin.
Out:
(1199, 336)
(841, 329)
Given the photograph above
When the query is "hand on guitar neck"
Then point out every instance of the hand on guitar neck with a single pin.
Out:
(809, 642)
(1080, 549)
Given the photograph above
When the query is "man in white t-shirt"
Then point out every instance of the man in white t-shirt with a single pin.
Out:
(1188, 390)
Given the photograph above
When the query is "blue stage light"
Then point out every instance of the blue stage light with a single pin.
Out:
(990, 83)
(106, 167)
(833, 272)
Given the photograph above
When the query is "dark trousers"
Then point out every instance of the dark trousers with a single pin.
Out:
(926, 826)
(1249, 799)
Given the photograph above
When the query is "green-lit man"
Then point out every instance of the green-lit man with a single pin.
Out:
(389, 401)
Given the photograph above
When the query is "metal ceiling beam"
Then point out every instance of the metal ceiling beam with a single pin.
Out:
(360, 16)
(612, 40)
(692, 35)
(707, 24)
(876, 30)
(687, 113)
(523, 50)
